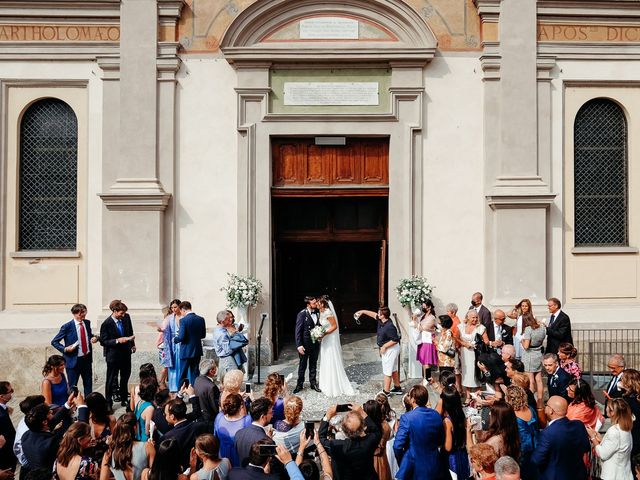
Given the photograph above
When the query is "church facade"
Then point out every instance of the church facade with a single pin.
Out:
(149, 147)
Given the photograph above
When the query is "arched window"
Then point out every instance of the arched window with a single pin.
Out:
(600, 173)
(48, 177)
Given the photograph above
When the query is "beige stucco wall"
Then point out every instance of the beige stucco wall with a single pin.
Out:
(206, 205)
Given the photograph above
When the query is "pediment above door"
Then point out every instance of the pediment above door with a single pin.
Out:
(286, 31)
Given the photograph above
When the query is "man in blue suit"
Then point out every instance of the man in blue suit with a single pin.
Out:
(192, 331)
(77, 348)
(562, 445)
(419, 436)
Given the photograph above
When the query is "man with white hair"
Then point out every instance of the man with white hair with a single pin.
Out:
(506, 468)
(616, 365)
(207, 391)
(221, 342)
(508, 353)
(353, 456)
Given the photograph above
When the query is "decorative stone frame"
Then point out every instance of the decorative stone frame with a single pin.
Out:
(406, 58)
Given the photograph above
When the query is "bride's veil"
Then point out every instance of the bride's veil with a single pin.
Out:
(335, 315)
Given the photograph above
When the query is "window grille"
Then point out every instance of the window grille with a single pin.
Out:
(48, 177)
(601, 192)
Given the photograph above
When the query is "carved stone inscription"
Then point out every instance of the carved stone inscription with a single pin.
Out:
(331, 93)
(329, 28)
(59, 33)
(588, 33)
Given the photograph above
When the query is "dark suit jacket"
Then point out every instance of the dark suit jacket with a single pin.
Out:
(353, 458)
(7, 457)
(614, 393)
(70, 336)
(186, 433)
(109, 333)
(245, 437)
(558, 386)
(209, 395)
(560, 450)
(192, 330)
(507, 334)
(250, 473)
(558, 332)
(40, 448)
(304, 325)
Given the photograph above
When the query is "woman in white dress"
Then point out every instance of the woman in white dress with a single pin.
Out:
(614, 448)
(468, 334)
(332, 377)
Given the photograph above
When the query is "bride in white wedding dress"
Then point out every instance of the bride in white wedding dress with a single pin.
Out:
(333, 380)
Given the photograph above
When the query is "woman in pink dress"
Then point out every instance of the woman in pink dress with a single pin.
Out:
(427, 353)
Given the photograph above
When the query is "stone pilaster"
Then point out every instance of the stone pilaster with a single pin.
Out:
(138, 181)
(517, 156)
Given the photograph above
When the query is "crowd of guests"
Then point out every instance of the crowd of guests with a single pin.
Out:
(495, 416)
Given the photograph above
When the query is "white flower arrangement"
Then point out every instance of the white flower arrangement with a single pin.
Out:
(317, 333)
(413, 291)
(242, 291)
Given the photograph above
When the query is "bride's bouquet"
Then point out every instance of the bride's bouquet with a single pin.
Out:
(317, 333)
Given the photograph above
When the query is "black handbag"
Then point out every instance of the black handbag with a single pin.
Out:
(450, 353)
(480, 346)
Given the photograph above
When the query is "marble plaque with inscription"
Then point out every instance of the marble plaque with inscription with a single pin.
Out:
(328, 28)
(331, 93)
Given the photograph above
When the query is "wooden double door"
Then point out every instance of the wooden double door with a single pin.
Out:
(330, 234)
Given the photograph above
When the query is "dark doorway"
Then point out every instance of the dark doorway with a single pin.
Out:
(335, 246)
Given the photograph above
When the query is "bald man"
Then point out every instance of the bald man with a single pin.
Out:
(560, 450)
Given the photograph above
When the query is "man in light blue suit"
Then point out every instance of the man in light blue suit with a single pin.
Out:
(419, 436)
(192, 331)
(77, 348)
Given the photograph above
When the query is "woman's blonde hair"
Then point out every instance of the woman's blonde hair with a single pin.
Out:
(232, 381)
(620, 414)
(517, 397)
(292, 409)
(631, 380)
(521, 380)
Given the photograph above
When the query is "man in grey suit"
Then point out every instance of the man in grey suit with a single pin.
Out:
(261, 414)
(207, 391)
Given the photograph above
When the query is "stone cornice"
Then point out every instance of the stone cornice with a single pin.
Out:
(132, 194)
(102, 9)
(589, 51)
(587, 8)
(169, 10)
(523, 200)
(301, 53)
(489, 9)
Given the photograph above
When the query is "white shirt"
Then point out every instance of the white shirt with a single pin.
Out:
(314, 315)
(80, 354)
(614, 382)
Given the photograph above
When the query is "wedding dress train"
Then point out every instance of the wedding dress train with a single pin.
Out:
(333, 380)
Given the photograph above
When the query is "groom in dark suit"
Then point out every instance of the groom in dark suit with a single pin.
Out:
(308, 351)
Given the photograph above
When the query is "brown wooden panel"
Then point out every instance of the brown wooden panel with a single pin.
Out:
(299, 162)
(318, 165)
(287, 168)
(376, 164)
(348, 165)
